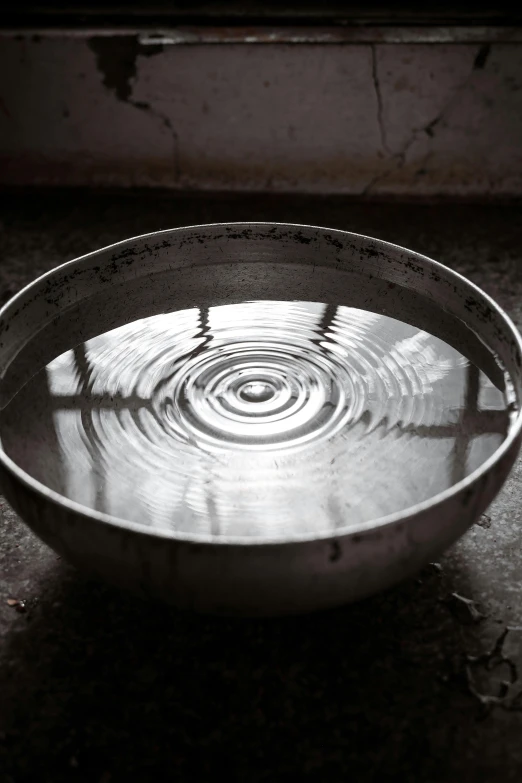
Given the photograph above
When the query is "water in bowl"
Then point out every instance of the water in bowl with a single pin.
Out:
(262, 419)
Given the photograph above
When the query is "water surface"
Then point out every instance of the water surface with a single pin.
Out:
(260, 419)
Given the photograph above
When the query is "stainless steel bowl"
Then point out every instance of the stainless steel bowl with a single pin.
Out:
(206, 266)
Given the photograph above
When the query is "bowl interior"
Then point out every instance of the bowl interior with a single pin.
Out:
(257, 382)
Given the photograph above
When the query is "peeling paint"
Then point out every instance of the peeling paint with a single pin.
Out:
(116, 58)
(482, 57)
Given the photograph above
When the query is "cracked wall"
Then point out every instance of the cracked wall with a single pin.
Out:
(387, 119)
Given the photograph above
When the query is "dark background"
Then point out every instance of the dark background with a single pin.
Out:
(260, 11)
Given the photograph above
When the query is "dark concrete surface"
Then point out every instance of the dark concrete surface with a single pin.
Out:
(422, 684)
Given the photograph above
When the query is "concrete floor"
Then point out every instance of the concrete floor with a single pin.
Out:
(420, 684)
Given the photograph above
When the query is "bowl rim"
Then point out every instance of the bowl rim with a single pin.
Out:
(378, 523)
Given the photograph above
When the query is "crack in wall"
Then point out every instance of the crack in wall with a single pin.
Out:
(464, 609)
(380, 108)
(165, 120)
(509, 691)
(399, 158)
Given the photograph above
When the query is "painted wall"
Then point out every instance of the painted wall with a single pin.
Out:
(354, 118)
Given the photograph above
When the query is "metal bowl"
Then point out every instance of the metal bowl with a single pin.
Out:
(208, 266)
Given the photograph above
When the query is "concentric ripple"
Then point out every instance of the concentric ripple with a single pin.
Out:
(260, 419)
(257, 396)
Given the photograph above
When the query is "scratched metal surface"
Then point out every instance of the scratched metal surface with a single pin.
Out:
(421, 115)
(422, 684)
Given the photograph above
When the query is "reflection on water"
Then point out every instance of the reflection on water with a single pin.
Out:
(258, 419)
